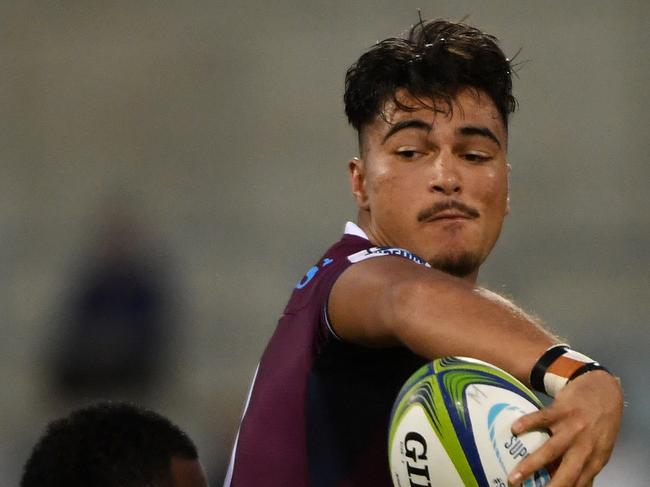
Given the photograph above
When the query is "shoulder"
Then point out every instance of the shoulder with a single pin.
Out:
(337, 258)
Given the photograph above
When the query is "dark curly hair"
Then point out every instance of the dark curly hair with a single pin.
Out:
(107, 445)
(433, 62)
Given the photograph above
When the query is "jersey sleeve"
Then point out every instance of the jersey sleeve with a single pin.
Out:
(354, 258)
(312, 291)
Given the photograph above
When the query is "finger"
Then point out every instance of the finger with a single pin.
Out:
(585, 480)
(571, 467)
(541, 419)
(543, 456)
(594, 467)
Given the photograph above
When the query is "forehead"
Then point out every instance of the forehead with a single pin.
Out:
(468, 107)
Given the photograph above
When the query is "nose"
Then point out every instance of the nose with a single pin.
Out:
(445, 177)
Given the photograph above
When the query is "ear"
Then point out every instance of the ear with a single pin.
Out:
(508, 189)
(357, 177)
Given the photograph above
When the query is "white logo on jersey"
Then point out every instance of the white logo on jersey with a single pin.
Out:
(382, 251)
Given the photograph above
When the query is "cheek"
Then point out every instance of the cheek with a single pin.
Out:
(398, 182)
(494, 191)
(392, 199)
(396, 201)
(383, 185)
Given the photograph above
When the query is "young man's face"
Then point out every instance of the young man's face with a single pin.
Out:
(435, 183)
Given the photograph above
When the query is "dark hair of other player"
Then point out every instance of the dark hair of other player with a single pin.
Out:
(108, 445)
(434, 61)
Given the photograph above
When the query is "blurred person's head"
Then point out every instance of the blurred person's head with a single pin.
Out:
(431, 111)
(113, 445)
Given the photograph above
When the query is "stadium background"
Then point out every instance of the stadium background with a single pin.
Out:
(220, 128)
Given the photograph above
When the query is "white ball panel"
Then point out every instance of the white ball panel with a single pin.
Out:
(430, 455)
(492, 411)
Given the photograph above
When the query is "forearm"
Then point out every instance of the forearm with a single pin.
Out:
(440, 317)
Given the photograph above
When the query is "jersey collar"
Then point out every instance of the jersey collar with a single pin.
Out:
(352, 228)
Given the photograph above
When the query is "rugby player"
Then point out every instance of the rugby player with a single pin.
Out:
(431, 185)
(113, 445)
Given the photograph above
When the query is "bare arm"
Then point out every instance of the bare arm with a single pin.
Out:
(390, 300)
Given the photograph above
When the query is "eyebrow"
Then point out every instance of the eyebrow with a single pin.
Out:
(471, 130)
(412, 123)
(416, 123)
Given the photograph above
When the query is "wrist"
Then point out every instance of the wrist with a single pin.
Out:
(558, 366)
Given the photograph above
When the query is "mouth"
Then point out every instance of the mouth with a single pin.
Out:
(448, 211)
(449, 216)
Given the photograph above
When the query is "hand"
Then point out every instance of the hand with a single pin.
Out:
(584, 421)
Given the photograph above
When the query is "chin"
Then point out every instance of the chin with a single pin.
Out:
(461, 264)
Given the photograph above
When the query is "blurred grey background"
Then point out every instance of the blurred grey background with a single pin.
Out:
(217, 130)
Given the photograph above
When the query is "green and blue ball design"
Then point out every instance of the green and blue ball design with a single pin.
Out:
(443, 390)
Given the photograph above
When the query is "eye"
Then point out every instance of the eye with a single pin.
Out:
(408, 154)
(477, 157)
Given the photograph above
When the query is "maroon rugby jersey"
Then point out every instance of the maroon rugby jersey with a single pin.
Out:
(318, 410)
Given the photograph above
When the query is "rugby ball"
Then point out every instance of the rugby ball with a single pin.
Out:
(450, 427)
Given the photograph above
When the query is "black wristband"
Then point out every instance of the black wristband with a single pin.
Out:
(544, 362)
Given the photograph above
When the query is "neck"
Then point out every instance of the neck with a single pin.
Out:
(363, 221)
